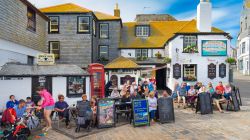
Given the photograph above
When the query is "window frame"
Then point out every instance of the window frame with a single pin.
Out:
(142, 30)
(94, 27)
(51, 50)
(141, 52)
(33, 19)
(78, 25)
(99, 51)
(70, 95)
(100, 24)
(185, 44)
(243, 48)
(49, 27)
(30, 60)
(195, 72)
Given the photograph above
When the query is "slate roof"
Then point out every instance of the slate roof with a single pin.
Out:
(122, 63)
(103, 16)
(65, 8)
(160, 33)
(35, 70)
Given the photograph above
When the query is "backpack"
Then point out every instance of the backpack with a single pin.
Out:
(33, 122)
(7, 116)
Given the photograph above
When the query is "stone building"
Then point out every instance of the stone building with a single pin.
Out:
(80, 36)
(243, 43)
(22, 32)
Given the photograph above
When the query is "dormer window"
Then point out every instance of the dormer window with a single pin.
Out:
(142, 31)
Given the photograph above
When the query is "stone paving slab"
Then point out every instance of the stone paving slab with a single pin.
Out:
(188, 126)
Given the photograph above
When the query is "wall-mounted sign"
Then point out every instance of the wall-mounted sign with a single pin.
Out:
(177, 71)
(214, 47)
(46, 59)
(222, 70)
(211, 71)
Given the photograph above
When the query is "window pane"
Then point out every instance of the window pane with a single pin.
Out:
(31, 15)
(104, 31)
(138, 53)
(142, 31)
(55, 49)
(103, 51)
(83, 24)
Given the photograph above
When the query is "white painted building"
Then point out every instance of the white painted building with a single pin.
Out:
(243, 43)
(22, 81)
(197, 50)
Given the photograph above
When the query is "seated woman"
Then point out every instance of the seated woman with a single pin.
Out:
(228, 92)
(12, 102)
(62, 108)
(176, 89)
(152, 103)
(192, 95)
(115, 93)
(93, 105)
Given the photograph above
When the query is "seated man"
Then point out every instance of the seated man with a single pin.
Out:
(182, 93)
(20, 109)
(84, 113)
(62, 108)
(218, 97)
(228, 92)
(12, 102)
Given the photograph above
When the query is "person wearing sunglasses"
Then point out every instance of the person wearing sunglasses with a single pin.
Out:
(62, 108)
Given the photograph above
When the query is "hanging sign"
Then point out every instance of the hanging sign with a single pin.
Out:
(177, 71)
(46, 59)
(222, 70)
(211, 71)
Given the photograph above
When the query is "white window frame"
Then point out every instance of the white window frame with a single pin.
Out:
(141, 53)
(87, 24)
(142, 31)
(189, 40)
(51, 49)
(104, 33)
(55, 24)
(243, 48)
(107, 53)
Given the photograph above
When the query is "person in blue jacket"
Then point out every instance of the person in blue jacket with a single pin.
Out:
(12, 102)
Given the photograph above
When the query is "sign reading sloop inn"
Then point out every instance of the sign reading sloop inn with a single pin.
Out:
(46, 59)
(214, 47)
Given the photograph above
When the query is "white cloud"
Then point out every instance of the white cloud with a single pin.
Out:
(129, 8)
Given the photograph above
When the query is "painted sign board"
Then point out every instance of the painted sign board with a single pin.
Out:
(46, 59)
(140, 111)
(214, 47)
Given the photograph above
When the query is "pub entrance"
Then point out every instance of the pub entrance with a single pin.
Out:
(161, 79)
(37, 81)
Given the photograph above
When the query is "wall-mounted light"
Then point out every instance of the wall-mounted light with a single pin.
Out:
(177, 50)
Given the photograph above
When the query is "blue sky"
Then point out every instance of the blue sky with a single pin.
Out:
(226, 13)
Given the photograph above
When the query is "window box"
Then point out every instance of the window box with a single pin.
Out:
(190, 49)
(141, 58)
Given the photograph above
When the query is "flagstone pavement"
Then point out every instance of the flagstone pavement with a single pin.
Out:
(187, 126)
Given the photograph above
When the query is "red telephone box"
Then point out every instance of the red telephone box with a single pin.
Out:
(97, 79)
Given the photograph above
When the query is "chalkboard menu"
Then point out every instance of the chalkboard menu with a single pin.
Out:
(222, 70)
(166, 110)
(177, 71)
(140, 111)
(124, 80)
(106, 113)
(211, 71)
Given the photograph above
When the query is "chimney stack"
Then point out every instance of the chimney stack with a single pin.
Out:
(204, 16)
(117, 12)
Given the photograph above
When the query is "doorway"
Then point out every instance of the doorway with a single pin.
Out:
(161, 79)
(40, 81)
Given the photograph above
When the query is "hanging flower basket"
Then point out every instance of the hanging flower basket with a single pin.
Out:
(190, 49)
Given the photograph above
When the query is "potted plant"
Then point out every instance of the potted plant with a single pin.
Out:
(102, 59)
(190, 49)
(231, 60)
(139, 58)
(167, 60)
(158, 55)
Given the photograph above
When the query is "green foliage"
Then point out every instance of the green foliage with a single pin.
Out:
(190, 49)
(167, 60)
(230, 60)
(141, 58)
(158, 55)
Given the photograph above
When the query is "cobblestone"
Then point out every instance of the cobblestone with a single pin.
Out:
(188, 126)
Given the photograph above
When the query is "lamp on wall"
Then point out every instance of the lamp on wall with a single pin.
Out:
(177, 50)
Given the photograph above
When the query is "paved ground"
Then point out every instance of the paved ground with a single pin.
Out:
(243, 82)
(188, 125)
